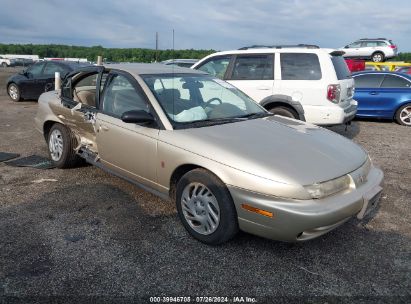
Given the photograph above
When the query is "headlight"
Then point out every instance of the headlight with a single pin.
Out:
(320, 190)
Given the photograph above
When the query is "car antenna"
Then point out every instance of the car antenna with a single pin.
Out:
(172, 69)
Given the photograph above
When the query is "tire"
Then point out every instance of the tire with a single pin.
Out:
(13, 91)
(378, 57)
(284, 111)
(4, 65)
(62, 142)
(206, 198)
(403, 115)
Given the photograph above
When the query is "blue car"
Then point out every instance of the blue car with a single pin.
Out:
(384, 95)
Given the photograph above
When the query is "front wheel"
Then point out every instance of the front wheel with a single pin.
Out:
(403, 115)
(283, 111)
(205, 207)
(62, 144)
(14, 92)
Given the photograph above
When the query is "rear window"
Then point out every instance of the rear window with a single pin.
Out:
(341, 68)
(368, 80)
(300, 66)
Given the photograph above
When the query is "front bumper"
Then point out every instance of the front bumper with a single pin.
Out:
(301, 220)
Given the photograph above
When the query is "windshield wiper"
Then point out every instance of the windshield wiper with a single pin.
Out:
(255, 115)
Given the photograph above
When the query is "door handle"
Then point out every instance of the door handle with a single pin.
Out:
(373, 93)
(263, 88)
(104, 128)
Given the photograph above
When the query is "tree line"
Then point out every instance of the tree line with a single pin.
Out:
(110, 54)
(116, 54)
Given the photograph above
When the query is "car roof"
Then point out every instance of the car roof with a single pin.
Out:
(72, 64)
(275, 50)
(151, 68)
(381, 72)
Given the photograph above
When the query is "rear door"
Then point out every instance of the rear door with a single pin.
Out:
(253, 74)
(48, 77)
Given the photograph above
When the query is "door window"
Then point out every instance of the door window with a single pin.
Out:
(391, 81)
(370, 44)
(354, 45)
(51, 68)
(368, 81)
(258, 67)
(35, 69)
(121, 96)
(216, 66)
(300, 66)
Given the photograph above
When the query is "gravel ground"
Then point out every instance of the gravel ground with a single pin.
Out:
(84, 236)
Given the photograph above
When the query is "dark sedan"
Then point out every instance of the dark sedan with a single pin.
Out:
(385, 95)
(38, 78)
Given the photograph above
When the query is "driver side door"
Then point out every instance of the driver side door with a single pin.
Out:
(128, 149)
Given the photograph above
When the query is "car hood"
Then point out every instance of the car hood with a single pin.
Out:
(276, 148)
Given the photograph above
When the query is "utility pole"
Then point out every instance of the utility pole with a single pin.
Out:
(156, 46)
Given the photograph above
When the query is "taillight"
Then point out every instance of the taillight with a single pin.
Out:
(393, 46)
(333, 93)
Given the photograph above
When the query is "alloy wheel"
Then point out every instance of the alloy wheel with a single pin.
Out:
(405, 116)
(56, 145)
(13, 92)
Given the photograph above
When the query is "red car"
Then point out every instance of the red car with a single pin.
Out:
(355, 65)
(406, 70)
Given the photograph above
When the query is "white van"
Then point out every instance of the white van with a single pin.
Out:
(303, 82)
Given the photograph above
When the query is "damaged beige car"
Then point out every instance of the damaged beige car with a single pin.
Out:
(226, 162)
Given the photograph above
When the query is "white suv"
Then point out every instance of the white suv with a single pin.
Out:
(303, 82)
(378, 50)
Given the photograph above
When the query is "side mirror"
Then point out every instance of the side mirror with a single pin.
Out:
(347, 47)
(137, 116)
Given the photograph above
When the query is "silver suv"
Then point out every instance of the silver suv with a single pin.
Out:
(378, 49)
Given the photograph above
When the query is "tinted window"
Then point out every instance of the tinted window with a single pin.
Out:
(391, 81)
(120, 96)
(36, 69)
(216, 67)
(300, 66)
(368, 81)
(51, 68)
(341, 68)
(259, 67)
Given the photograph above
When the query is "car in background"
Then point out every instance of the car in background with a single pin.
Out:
(225, 161)
(405, 70)
(302, 82)
(6, 62)
(39, 77)
(385, 95)
(184, 63)
(355, 65)
(377, 50)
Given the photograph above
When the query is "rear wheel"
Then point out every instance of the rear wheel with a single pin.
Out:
(377, 57)
(62, 142)
(205, 207)
(14, 92)
(403, 115)
(284, 111)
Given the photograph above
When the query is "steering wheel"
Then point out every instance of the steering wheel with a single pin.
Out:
(208, 102)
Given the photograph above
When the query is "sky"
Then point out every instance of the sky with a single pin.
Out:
(204, 24)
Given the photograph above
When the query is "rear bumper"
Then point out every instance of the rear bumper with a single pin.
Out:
(332, 114)
(301, 220)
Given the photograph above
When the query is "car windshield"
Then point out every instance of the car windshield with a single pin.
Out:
(191, 100)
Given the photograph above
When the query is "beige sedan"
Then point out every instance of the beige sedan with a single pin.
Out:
(226, 162)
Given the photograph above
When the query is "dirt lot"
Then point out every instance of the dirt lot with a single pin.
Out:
(91, 236)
